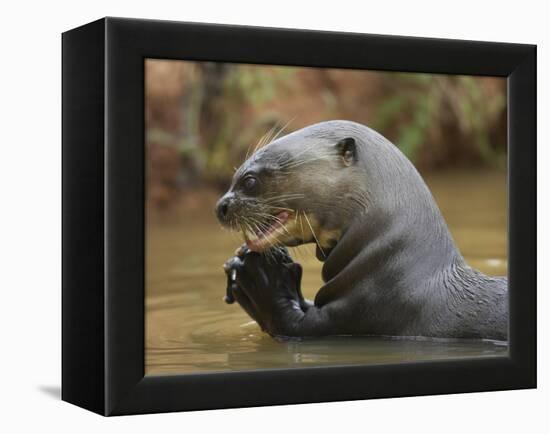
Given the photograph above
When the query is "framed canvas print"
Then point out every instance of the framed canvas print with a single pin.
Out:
(257, 216)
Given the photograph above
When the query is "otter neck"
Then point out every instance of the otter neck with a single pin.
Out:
(401, 233)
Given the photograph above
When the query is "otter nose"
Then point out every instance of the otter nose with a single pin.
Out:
(223, 207)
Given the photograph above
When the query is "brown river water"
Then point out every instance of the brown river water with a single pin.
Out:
(190, 329)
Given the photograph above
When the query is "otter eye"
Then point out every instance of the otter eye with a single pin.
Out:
(250, 183)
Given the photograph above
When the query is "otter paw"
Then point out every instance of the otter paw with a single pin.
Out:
(269, 286)
(230, 268)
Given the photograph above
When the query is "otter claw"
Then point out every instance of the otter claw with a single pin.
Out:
(231, 273)
(241, 251)
(228, 298)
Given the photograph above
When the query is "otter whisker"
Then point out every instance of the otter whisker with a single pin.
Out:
(275, 206)
(248, 230)
(258, 215)
(281, 130)
(301, 227)
(298, 159)
(314, 236)
(259, 144)
(301, 157)
(275, 230)
(279, 209)
(288, 169)
(243, 231)
(299, 247)
(260, 226)
(274, 203)
(266, 252)
(274, 219)
(297, 163)
(247, 155)
(270, 133)
(265, 138)
(271, 196)
(271, 200)
(244, 228)
(267, 216)
(304, 151)
(282, 198)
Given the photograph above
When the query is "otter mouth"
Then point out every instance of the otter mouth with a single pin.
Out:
(286, 228)
(268, 235)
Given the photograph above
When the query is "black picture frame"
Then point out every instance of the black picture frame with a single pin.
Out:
(103, 215)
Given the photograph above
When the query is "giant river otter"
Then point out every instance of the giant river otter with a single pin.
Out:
(390, 267)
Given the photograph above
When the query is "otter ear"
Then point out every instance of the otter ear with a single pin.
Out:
(347, 150)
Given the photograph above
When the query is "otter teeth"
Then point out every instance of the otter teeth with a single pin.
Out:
(262, 236)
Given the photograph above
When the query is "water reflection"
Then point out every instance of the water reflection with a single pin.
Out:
(189, 328)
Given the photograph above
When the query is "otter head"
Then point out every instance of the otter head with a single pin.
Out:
(298, 189)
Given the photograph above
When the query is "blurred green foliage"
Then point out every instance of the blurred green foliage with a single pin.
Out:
(247, 87)
(213, 113)
(438, 103)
